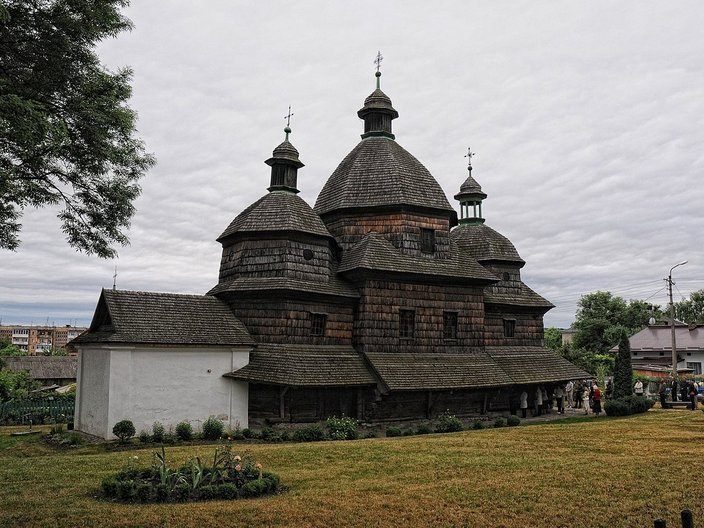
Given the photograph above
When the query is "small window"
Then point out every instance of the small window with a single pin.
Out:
(317, 324)
(449, 327)
(407, 324)
(427, 241)
(509, 327)
(506, 276)
(696, 368)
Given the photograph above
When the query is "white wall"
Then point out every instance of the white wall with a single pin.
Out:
(147, 384)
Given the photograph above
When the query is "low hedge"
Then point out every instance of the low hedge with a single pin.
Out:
(627, 405)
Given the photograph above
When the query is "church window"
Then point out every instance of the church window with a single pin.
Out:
(427, 241)
(307, 254)
(509, 327)
(317, 326)
(449, 328)
(407, 324)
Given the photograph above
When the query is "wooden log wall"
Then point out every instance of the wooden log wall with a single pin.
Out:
(402, 229)
(528, 330)
(270, 319)
(276, 258)
(376, 326)
(509, 285)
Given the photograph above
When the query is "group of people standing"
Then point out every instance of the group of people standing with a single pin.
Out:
(579, 395)
(685, 390)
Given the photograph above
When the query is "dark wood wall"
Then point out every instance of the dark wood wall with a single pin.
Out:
(402, 229)
(276, 258)
(528, 329)
(376, 325)
(274, 320)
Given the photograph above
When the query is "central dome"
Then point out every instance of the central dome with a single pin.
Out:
(379, 172)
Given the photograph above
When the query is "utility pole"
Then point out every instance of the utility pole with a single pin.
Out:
(672, 320)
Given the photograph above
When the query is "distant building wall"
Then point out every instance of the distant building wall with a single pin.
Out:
(36, 340)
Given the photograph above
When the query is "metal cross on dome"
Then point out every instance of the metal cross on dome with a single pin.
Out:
(378, 60)
(287, 117)
(469, 156)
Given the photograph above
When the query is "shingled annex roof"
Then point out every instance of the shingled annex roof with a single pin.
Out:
(483, 243)
(305, 365)
(374, 252)
(334, 286)
(407, 371)
(44, 367)
(525, 364)
(525, 297)
(277, 211)
(379, 172)
(163, 318)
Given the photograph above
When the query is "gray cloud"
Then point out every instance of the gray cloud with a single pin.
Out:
(587, 118)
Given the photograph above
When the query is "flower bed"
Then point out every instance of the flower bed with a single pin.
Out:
(229, 477)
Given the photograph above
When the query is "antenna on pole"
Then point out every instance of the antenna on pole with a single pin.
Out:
(114, 279)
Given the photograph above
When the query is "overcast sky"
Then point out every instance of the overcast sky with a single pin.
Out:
(587, 118)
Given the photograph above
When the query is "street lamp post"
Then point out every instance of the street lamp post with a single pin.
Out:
(672, 322)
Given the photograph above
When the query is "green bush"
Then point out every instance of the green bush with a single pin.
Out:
(500, 422)
(409, 432)
(184, 431)
(145, 437)
(628, 405)
(248, 433)
(424, 429)
(370, 434)
(143, 492)
(226, 491)
(393, 431)
(254, 488)
(448, 423)
(513, 421)
(343, 428)
(124, 430)
(109, 486)
(310, 433)
(268, 434)
(212, 428)
(158, 432)
(285, 436)
(477, 425)
(126, 490)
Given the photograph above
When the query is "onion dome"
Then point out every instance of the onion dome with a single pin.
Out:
(379, 172)
(377, 113)
(284, 165)
(470, 197)
(485, 244)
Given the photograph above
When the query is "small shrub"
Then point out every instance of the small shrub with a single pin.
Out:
(310, 433)
(144, 437)
(158, 432)
(181, 492)
(513, 421)
(184, 431)
(208, 492)
(268, 434)
(59, 429)
(124, 430)
(226, 491)
(170, 438)
(143, 492)
(236, 434)
(448, 423)
(161, 492)
(408, 432)
(500, 422)
(344, 428)
(393, 431)
(254, 488)
(126, 490)
(424, 429)
(109, 486)
(370, 434)
(248, 433)
(477, 425)
(212, 428)
(628, 405)
(73, 439)
(285, 436)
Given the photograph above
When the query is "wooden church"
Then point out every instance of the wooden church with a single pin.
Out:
(377, 303)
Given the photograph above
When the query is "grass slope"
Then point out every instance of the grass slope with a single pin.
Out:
(606, 472)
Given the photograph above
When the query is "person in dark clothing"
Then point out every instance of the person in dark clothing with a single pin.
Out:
(578, 390)
(693, 395)
(684, 390)
(662, 391)
(673, 391)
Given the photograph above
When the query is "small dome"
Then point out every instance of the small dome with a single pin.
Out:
(379, 172)
(278, 211)
(285, 152)
(377, 100)
(470, 188)
(484, 243)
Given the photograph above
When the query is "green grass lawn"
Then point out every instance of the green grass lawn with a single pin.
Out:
(604, 472)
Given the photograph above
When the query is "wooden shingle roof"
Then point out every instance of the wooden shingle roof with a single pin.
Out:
(525, 297)
(525, 364)
(374, 252)
(163, 318)
(379, 172)
(305, 366)
(484, 244)
(278, 211)
(402, 371)
(333, 286)
(44, 367)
